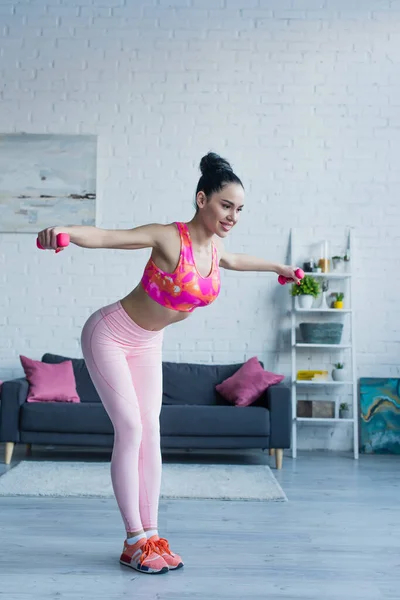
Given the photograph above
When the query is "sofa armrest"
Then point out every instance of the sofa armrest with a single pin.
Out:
(13, 394)
(277, 399)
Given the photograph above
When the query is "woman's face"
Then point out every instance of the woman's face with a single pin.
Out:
(221, 212)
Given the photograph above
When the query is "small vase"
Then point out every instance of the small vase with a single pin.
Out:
(324, 304)
(344, 414)
(338, 304)
(305, 301)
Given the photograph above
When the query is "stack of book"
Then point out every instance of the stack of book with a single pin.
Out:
(312, 376)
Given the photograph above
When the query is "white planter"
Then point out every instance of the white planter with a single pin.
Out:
(305, 300)
(344, 414)
(339, 375)
(338, 266)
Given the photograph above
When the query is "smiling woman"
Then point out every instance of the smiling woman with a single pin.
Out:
(219, 195)
(216, 174)
(122, 342)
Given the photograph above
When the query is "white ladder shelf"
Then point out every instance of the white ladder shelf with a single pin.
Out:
(347, 348)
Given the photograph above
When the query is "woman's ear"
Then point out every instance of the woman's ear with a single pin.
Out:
(201, 199)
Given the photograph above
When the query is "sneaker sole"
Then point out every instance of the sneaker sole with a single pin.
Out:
(147, 571)
(175, 568)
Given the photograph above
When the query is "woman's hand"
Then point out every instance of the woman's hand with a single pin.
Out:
(48, 237)
(289, 272)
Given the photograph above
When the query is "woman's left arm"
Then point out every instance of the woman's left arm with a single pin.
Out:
(244, 262)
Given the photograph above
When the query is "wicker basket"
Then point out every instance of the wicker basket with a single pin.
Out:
(321, 333)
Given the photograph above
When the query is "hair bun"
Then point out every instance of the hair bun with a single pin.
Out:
(212, 162)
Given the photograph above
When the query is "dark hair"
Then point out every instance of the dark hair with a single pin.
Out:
(216, 173)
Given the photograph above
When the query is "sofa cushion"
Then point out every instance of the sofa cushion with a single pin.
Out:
(215, 421)
(248, 383)
(84, 385)
(49, 383)
(187, 383)
(58, 417)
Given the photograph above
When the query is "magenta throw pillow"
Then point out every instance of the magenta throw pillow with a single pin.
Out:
(50, 382)
(248, 383)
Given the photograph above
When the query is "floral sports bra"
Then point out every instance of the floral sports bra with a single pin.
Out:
(184, 289)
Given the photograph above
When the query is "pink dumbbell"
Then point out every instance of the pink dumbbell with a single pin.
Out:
(63, 240)
(299, 274)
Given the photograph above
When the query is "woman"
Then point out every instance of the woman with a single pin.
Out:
(122, 342)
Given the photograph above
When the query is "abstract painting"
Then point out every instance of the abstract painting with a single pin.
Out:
(47, 180)
(379, 415)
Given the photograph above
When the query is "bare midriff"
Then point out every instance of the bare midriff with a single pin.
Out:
(147, 313)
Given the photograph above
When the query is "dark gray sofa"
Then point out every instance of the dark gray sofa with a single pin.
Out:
(193, 414)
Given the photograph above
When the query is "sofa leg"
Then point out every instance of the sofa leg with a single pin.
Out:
(28, 449)
(9, 452)
(278, 458)
(272, 451)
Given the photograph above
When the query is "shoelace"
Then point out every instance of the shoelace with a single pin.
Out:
(147, 549)
(163, 546)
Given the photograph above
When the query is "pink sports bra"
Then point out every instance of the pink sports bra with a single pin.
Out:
(184, 289)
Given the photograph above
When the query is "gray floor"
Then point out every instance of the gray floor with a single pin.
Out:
(338, 537)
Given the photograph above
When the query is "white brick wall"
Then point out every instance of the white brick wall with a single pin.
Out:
(302, 96)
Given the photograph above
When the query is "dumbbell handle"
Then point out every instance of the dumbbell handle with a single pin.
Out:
(298, 272)
(63, 240)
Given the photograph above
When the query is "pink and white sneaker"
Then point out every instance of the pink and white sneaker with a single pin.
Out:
(173, 561)
(143, 556)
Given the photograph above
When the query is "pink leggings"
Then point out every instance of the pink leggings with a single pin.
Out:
(125, 365)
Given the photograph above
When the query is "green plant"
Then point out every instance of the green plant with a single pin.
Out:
(339, 365)
(338, 295)
(337, 258)
(308, 285)
(344, 406)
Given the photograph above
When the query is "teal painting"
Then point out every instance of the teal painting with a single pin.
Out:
(379, 415)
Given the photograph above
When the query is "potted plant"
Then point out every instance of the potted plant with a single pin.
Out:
(344, 411)
(308, 289)
(336, 262)
(338, 373)
(338, 303)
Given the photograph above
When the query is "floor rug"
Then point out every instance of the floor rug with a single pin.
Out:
(185, 481)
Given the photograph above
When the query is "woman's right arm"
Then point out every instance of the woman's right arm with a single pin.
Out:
(85, 236)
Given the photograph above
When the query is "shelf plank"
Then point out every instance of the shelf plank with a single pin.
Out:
(305, 382)
(331, 275)
(302, 345)
(322, 420)
(324, 310)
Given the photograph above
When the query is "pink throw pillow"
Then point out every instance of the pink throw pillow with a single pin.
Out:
(248, 383)
(50, 382)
